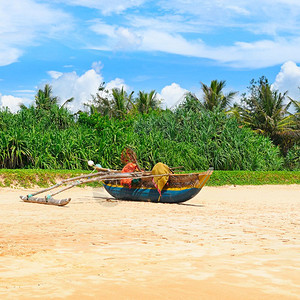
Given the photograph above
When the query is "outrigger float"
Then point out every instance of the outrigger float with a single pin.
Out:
(178, 188)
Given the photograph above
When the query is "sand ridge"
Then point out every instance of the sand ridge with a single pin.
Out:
(227, 243)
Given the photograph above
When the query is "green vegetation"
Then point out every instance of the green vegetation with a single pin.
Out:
(259, 135)
(193, 140)
(43, 178)
(214, 97)
(35, 177)
(220, 178)
(264, 111)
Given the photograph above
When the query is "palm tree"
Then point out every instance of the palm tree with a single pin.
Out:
(114, 103)
(121, 102)
(265, 111)
(44, 99)
(296, 105)
(67, 101)
(214, 96)
(146, 102)
(235, 111)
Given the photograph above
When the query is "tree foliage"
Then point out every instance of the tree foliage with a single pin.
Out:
(264, 111)
(145, 102)
(44, 99)
(118, 103)
(46, 135)
(213, 95)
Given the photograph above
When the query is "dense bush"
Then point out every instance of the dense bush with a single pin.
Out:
(199, 140)
(292, 159)
(55, 139)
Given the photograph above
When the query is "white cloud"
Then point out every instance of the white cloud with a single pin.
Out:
(55, 74)
(236, 13)
(97, 66)
(127, 38)
(8, 54)
(118, 37)
(172, 95)
(101, 28)
(145, 40)
(106, 7)
(212, 10)
(266, 37)
(171, 43)
(258, 16)
(176, 28)
(23, 23)
(69, 85)
(117, 83)
(24, 91)
(165, 23)
(11, 102)
(81, 87)
(288, 79)
(257, 54)
(65, 86)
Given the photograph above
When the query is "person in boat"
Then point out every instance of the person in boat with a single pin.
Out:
(128, 168)
(158, 181)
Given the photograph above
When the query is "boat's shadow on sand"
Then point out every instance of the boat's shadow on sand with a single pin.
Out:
(105, 199)
(191, 204)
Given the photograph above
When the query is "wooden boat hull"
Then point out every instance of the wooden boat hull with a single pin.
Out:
(181, 188)
(151, 194)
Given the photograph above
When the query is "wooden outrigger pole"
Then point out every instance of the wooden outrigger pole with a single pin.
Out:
(105, 174)
(102, 174)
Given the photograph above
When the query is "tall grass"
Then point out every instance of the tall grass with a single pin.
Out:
(199, 140)
(55, 139)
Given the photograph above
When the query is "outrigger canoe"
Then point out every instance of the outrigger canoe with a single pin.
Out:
(180, 188)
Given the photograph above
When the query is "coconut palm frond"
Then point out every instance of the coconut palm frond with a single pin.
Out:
(213, 95)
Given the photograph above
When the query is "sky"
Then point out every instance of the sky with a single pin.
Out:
(143, 45)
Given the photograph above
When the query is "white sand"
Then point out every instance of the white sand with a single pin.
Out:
(226, 243)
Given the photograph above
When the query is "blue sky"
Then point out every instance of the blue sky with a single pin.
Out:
(169, 46)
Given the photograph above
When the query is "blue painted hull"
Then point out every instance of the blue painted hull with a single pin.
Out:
(169, 195)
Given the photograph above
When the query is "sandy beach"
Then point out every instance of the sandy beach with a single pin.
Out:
(227, 243)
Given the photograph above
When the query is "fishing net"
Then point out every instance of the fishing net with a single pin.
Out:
(175, 181)
(129, 156)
